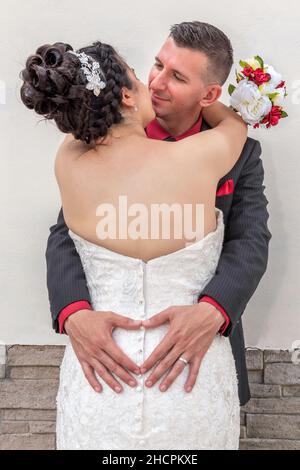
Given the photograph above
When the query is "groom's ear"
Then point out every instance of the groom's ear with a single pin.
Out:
(128, 99)
(212, 94)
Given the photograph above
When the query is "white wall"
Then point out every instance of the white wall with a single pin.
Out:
(29, 197)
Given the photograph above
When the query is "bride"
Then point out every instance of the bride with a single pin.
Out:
(96, 98)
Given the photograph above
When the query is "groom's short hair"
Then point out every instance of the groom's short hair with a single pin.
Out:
(211, 41)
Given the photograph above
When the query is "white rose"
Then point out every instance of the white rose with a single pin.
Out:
(266, 88)
(253, 63)
(276, 77)
(279, 99)
(251, 104)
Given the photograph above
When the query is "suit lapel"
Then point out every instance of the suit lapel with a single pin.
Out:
(204, 126)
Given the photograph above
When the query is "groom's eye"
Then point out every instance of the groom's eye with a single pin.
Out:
(178, 78)
(157, 65)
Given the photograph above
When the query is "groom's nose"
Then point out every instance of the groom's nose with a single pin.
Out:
(159, 82)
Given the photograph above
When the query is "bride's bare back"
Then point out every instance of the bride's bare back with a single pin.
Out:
(147, 172)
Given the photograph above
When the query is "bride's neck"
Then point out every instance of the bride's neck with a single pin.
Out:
(127, 128)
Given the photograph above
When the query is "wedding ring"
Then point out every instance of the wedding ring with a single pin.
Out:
(184, 360)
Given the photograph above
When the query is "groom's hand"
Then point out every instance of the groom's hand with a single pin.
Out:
(90, 333)
(192, 330)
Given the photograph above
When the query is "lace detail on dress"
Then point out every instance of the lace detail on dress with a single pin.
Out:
(145, 418)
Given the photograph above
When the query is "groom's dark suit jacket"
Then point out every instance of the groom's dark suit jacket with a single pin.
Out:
(242, 263)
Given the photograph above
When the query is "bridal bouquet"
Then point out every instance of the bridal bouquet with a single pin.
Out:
(260, 93)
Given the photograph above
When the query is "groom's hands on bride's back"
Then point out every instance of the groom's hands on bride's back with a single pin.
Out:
(90, 333)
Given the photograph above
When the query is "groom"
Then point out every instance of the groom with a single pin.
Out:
(188, 74)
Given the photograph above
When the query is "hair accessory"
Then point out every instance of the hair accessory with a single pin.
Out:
(95, 76)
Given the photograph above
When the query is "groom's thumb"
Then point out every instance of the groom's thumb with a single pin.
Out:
(157, 319)
(126, 322)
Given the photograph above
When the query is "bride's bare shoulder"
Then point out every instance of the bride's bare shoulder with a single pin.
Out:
(73, 148)
(70, 150)
(67, 154)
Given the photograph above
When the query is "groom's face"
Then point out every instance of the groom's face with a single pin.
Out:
(178, 81)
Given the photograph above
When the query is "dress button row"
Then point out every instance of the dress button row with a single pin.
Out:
(139, 388)
(142, 442)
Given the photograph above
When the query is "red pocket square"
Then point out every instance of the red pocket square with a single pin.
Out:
(226, 188)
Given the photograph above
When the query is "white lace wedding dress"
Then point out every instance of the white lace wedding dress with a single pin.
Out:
(208, 417)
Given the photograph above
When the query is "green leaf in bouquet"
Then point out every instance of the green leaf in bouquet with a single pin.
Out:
(259, 60)
(284, 114)
(239, 76)
(244, 64)
(272, 95)
(231, 89)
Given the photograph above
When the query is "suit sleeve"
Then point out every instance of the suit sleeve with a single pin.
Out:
(66, 280)
(244, 256)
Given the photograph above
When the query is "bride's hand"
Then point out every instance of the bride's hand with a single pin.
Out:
(218, 112)
(93, 344)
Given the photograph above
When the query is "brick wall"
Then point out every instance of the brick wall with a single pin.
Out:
(29, 381)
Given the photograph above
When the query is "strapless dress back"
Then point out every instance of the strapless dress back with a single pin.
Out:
(208, 417)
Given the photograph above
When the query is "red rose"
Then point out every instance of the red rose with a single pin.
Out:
(281, 84)
(248, 71)
(273, 117)
(257, 76)
(261, 77)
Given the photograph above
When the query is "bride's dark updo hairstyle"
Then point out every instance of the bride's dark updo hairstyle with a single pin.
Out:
(55, 86)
